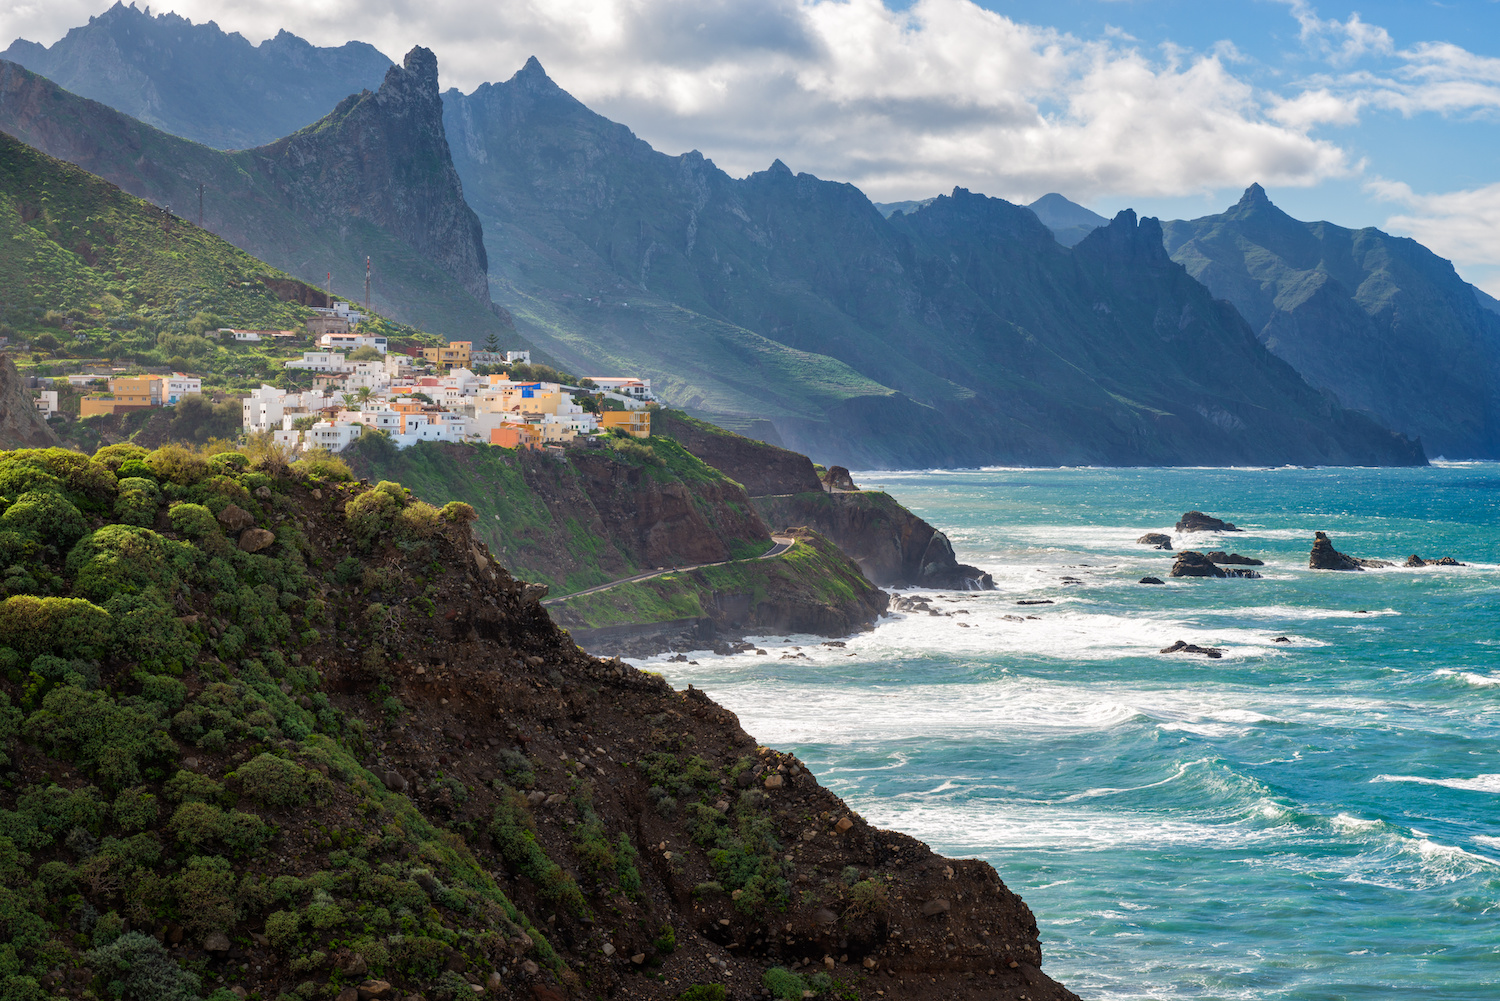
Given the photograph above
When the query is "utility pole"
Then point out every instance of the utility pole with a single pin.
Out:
(330, 285)
(367, 286)
(200, 205)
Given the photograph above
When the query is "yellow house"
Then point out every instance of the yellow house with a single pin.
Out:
(636, 423)
(455, 355)
(130, 393)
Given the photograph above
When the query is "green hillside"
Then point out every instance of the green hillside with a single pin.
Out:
(250, 201)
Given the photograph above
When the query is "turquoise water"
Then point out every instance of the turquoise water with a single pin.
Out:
(1318, 819)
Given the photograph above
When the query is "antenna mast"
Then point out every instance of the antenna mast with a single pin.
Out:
(367, 285)
(200, 205)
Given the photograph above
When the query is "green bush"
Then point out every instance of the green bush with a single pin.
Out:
(112, 457)
(323, 465)
(66, 627)
(784, 984)
(124, 559)
(134, 809)
(419, 520)
(48, 517)
(513, 836)
(459, 513)
(706, 992)
(137, 501)
(196, 825)
(136, 469)
(373, 511)
(194, 520)
(117, 744)
(206, 894)
(190, 787)
(175, 464)
(139, 969)
(281, 928)
(275, 781)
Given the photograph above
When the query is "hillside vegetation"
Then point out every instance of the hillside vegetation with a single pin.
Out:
(266, 728)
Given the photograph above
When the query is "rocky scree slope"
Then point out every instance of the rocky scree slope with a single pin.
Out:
(785, 297)
(199, 82)
(1380, 322)
(267, 727)
(372, 179)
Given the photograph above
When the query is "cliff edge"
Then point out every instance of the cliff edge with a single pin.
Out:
(20, 425)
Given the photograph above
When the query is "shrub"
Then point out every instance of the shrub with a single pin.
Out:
(281, 928)
(190, 787)
(134, 809)
(48, 517)
(67, 627)
(205, 894)
(53, 467)
(123, 559)
(194, 520)
(137, 501)
(176, 464)
(136, 469)
(139, 969)
(112, 457)
(419, 520)
(458, 512)
(275, 781)
(117, 744)
(371, 512)
(866, 896)
(784, 984)
(321, 464)
(706, 992)
(511, 832)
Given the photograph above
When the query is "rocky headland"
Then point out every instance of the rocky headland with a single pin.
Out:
(1325, 557)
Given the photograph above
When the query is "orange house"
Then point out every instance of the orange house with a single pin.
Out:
(636, 423)
(517, 436)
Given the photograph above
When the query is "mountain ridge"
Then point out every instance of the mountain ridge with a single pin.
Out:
(1381, 322)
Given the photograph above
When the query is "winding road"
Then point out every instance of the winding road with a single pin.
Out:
(779, 545)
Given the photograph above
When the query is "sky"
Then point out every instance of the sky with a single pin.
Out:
(1374, 113)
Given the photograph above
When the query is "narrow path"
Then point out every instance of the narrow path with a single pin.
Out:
(779, 545)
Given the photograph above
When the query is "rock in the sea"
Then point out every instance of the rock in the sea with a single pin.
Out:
(1325, 557)
(1282, 639)
(1181, 646)
(1193, 564)
(1156, 539)
(1151, 580)
(1234, 559)
(1447, 561)
(1197, 521)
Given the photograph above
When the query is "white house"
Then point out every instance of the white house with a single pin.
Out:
(321, 361)
(242, 336)
(177, 385)
(263, 408)
(632, 388)
(351, 342)
(513, 357)
(334, 437)
(46, 402)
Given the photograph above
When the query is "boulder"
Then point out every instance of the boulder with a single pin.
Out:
(1151, 580)
(1156, 539)
(1325, 557)
(1234, 559)
(253, 540)
(1193, 564)
(1181, 646)
(235, 518)
(216, 941)
(936, 906)
(1415, 561)
(838, 478)
(533, 592)
(1197, 521)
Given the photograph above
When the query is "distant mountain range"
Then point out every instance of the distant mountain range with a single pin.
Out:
(958, 331)
(1379, 321)
(199, 83)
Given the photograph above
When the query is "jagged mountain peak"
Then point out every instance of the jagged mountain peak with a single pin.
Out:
(777, 167)
(417, 76)
(533, 78)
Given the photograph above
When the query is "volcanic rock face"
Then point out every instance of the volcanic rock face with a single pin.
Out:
(20, 425)
(384, 157)
(1325, 557)
(1197, 521)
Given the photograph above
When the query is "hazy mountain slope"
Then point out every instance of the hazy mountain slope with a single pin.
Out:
(198, 82)
(1001, 344)
(1380, 321)
(70, 240)
(319, 201)
(1069, 221)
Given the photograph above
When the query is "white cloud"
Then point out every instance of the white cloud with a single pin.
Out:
(902, 103)
(1459, 225)
(1340, 42)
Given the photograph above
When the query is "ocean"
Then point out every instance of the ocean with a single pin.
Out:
(1314, 819)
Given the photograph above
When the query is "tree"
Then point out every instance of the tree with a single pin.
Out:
(493, 343)
(365, 353)
(350, 402)
(196, 419)
(363, 394)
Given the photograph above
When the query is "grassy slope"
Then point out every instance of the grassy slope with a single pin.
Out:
(242, 204)
(538, 516)
(812, 571)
